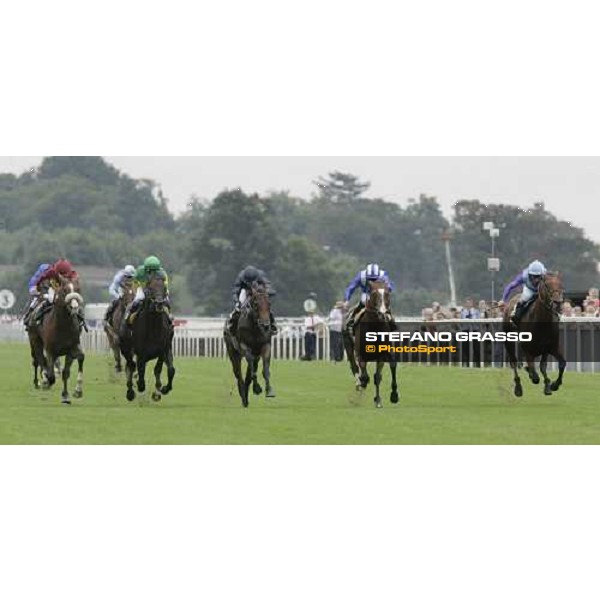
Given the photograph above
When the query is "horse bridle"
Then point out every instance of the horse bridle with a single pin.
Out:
(548, 304)
(254, 295)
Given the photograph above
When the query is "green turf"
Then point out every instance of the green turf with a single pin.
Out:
(316, 404)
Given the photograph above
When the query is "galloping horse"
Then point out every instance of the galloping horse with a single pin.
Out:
(113, 328)
(150, 337)
(252, 341)
(541, 321)
(376, 310)
(59, 335)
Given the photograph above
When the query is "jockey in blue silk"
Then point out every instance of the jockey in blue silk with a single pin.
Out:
(529, 279)
(362, 280)
(35, 292)
(241, 286)
(122, 280)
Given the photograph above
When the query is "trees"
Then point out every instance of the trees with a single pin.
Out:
(525, 235)
(341, 188)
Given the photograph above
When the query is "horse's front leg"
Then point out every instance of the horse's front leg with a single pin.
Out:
(377, 380)
(562, 365)
(543, 368)
(363, 376)
(512, 359)
(141, 370)
(256, 388)
(266, 371)
(170, 372)
(531, 370)
(394, 395)
(129, 371)
(78, 393)
(156, 394)
(65, 377)
(49, 369)
(249, 377)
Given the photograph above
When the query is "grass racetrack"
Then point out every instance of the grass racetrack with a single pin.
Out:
(316, 404)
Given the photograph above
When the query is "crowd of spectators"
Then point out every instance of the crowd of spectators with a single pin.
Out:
(588, 307)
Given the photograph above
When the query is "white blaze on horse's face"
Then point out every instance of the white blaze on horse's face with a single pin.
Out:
(382, 309)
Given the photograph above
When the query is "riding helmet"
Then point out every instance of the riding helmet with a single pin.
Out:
(536, 268)
(373, 271)
(63, 267)
(152, 264)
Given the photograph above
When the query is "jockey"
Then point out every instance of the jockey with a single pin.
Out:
(122, 281)
(242, 284)
(529, 279)
(34, 293)
(362, 280)
(144, 274)
(51, 278)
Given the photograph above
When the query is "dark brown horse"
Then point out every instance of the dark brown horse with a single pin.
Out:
(150, 337)
(542, 321)
(113, 327)
(376, 311)
(252, 341)
(59, 335)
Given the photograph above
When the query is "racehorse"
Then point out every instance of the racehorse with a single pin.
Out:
(150, 337)
(376, 311)
(252, 341)
(113, 328)
(59, 335)
(541, 320)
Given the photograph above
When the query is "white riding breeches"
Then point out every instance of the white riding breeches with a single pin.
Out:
(243, 297)
(139, 295)
(527, 294)
(49, 295)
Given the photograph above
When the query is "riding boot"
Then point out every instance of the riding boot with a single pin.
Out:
(82, 321)
(518, 313)
(234, 317)
(27, 315)
(110, 310)
(38, 313)
(273, 325)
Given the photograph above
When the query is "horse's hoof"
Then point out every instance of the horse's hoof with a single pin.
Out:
(141, 387)
(535, 380)
(156, 396)
(65, 401)
(378, 403)
(518, 391)
(165, 389)
(547, 392)
(270, 393)
(36, 386)
(78, 393)
(394, 397)
(554, 387)
(257, 390)
(244, 403)
(130, 395)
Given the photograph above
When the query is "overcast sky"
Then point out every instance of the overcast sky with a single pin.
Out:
(570, 187)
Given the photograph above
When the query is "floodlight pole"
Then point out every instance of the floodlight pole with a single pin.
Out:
(447, 236)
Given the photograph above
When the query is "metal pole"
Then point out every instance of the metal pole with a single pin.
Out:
(450, 273)
(493, 272)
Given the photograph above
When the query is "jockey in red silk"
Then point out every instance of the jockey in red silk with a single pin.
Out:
(50, 277)
(529, 279)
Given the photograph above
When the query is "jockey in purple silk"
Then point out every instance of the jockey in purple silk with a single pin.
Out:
(529, 279)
